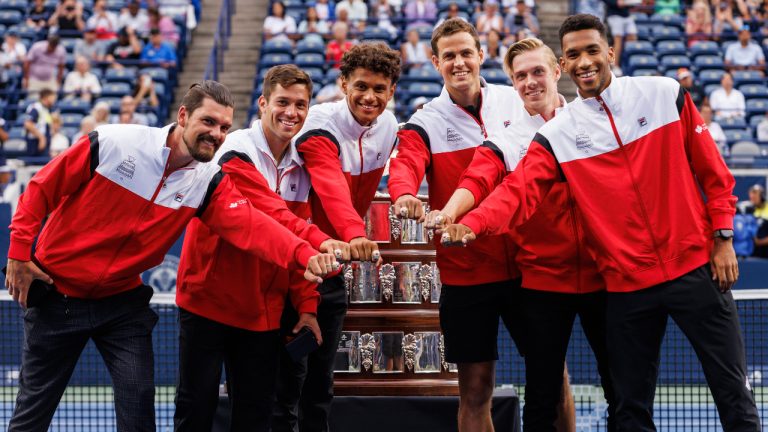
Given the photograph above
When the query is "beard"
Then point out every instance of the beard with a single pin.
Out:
(199, 151)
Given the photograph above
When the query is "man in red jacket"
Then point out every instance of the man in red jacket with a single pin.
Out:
(560, 278)
(637, 155)
(344, 145)
(117, 201)
(231, 301)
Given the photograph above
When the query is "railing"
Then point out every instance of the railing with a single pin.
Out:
(220, 41)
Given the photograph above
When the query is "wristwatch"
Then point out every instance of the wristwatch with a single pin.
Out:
(725, 234)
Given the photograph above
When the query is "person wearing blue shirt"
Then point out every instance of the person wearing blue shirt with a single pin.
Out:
(158, 52)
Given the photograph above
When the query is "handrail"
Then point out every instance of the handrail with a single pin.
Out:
(220, 41)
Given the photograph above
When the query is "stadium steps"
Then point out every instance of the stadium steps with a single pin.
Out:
(551, 14)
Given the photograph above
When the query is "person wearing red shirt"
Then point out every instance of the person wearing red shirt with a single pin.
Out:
(338, 45)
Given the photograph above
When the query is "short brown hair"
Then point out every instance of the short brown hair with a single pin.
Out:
(452, 26)
(376, 57)
(286, 75)
(199, 91)
(526, 45)
(582, 22)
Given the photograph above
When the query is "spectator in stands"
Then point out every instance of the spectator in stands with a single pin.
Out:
(165, 24)
(312, 23)
(521, 19)
(68, 17)
(126, 47)
(745, 54)
(44, 65)
(104, 21)
(745, 229)
(81, 82)
(494, 49)
(87, 125)
(452, 12)
(420, 13)
(762, 129)
(158, 52)
(490, 19)
(144, 92)
(414, 51)
(325, 10)
(38, 15)
(11, 190)
(383, 12)
(59, 142)
(136, 18)
(339, 44)
(592, 7)
(685, 77)
(698, 22)
(100, 113)
(12, 54)
(89, 46)
(3, 138)
(726, 18)
(357, 11)
(759, 209)
(714, 129)
(128, 108)
(331, 92)
(726, 101)
(622, 25)
(666, 7)
(37, 122)
(278, 24)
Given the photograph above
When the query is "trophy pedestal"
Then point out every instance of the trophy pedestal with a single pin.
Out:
(391, 344)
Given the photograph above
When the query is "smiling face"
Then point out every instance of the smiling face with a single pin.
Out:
(283, 114)
(205, 128)
(587, 58)
(458, 60)
(367, 94)
(535, 80)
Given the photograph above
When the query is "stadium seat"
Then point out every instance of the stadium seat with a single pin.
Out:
(11, 17)
(674, 62)
(638, 47)
(642, 61)
(710, 76)
(269, 60)
(310, 60)
(16, 144)
(709, 88)
(752, 91)
(741, 77)
(463, 5)
(310, 45)
(428, 90)
(735, 135)
(755, 120)
(73, 106)
(661, 33)
(733, 123)
(25, 31)
(315, 74)
(377, 33)
(644, 32)
(668, 20)
(495, 76)
(709, 62)
(113, 102)
(704, 48)
(640, 18)
(670, 47)
(745, 148)
(17, 5)
(71, 119)
(331, 75)
(645, 72)
(116, 89)
(126, 75)
(757, 107)
(159, 75)
(277, 46)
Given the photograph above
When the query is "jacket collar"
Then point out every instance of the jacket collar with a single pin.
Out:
(291, 156)
(611, 96)
(348, 121)
(445, 100)
(538, 120)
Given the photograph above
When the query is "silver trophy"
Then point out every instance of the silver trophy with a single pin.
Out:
(414, 232)
(377, 223)
(362, 281)
(367, 349)
(428, 357)
(407, 288)
(388, 353)
(387, 279)
(348, 353)
(437, 285)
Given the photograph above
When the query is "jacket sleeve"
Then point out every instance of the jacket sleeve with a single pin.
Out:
(61, 177)
(249, 181)
(230, 215)
(519, 194)
(713, 175)
(321, 151)
(407, 168)
(485, 172)
(303, 293)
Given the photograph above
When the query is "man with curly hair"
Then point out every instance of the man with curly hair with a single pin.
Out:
(344, 145)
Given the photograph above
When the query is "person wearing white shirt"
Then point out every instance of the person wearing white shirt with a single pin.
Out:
(136, 18)
(726, 101)
(278, 24)
(104, 21)
(357, 9)
(12, 55)
(745, 54)
(714, 128)
(762, 129)
(81, 82)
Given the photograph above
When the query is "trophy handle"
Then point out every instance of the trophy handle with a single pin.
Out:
(409, 349)
(425, 281)
(387, 280)
(367, 347)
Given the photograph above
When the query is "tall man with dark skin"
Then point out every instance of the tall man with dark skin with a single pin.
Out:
(637, 157)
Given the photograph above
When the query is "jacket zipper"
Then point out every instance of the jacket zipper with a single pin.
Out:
(634, 186)
(479, 122)
(279, 177)
(572, 211)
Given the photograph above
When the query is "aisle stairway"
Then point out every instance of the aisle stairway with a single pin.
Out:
(551, 14)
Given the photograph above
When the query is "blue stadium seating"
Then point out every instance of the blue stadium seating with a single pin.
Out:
(747, 77)
(709, 62)
(115, 89)
(306, 60)
(645, 72)
(639, 47)
(113, 102)
(71, 119)
(126, 75)
(642, 61)
(753, 91)
(670, 47)
(734, 135)
(757, 107)
(269, 60)
(674, 62)
(733, 123)
(377, 33)
(73, 106)
(277, 46)
(316, 74)
(429, 90)
(710, 76)
(704, 48)
(661, 33)
(310, 46)
(159, 75)
(17, 5)
(10, 17)
(667, 20)
(495, 76)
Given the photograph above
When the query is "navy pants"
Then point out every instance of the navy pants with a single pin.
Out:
(55, 333)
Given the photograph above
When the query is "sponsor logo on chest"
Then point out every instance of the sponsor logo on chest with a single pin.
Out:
(127, 168)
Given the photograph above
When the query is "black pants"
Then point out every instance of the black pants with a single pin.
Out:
(250, 360)
(708, 318)
(55, 333)
(548, 319)
(305, 388)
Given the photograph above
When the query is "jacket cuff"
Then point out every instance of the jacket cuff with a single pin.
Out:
(474, 222)
(353, 232)
(473, 188)
(395, 192)
(308, 305)
(304, 253)
(20, 250)
(317, 237)
(722, 221)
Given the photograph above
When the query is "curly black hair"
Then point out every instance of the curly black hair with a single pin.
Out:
(582, 22)
(375, 56)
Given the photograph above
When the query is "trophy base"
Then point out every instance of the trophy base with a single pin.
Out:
(396, 387)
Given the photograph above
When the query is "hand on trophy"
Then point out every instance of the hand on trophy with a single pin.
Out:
(409, 207)
(319, 266)
(338, 248)
(438, 220)
(457, 235)
(310, 321)
(363, 249)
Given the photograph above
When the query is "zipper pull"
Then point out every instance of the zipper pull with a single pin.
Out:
(482, 129)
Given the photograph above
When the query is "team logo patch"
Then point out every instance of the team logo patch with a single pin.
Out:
(507, 123)
(642, 121)
(178, 198)
(127, 168)
(293, 187)
(583, 142)
(452, 136)
(701, 128)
